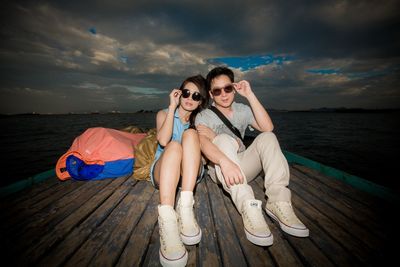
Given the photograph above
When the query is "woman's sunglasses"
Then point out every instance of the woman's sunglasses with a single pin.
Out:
(196, 96)
(217, 91)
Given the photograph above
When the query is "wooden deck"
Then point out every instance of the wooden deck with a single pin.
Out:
(113, 222)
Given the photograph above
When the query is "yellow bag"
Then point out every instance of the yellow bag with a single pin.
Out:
(144, 155)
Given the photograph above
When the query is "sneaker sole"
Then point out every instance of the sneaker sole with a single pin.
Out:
(182, 261)
(191, 240)
(260, 240)
(290, 230)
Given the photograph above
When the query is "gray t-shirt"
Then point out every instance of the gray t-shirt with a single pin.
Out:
(242, 118)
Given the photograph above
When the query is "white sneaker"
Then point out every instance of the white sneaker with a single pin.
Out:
(189, 229)
(255, 227)
(283, 213)
(172, 251)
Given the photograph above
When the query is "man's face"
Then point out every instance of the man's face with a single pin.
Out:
(222, 91)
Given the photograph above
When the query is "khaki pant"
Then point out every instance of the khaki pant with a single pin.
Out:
(264, 154)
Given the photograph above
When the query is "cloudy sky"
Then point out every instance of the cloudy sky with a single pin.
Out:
(83, 56)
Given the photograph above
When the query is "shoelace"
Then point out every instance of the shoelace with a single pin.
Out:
(170, 235)
(286, 211)
(187, 216)
(254, 217)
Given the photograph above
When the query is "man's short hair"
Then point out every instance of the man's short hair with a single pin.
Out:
(218, 71)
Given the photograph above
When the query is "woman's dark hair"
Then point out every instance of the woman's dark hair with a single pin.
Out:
(200, 83)
(218, 71)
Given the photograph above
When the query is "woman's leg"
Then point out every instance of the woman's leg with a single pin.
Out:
(189, 229)
(167, 172)
(191, 159)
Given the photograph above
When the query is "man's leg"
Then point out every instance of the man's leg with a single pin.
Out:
(241, 192)
(265, 154)
(274, 164)
(256, 229)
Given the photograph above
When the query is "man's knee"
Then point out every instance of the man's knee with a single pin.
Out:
(224, 139)
(267, 136)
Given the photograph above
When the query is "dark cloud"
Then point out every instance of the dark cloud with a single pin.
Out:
(61, 56)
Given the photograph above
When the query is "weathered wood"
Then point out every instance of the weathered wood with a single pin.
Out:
(16, 214)
(253, 254)
(281, 251)
(354, 210)
(65, 249)
(312, 255)
(46, 218)
(332, 209)
(327, 218)
(231, 252)
(139, 240)
(17, 198)
(114, 223)
(357, 195)
(59, 232)
(208, 251)
(104, 244)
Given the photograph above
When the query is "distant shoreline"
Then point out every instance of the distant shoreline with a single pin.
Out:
(317, 110)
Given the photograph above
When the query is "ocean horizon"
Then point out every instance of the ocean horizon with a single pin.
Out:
(361, 143)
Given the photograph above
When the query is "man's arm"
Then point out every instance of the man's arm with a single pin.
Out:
(262, 121)
(230, 170)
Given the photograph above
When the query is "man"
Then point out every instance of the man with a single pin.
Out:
(234, 165)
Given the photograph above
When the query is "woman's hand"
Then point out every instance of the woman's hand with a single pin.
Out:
(174, 98)
(243, 88)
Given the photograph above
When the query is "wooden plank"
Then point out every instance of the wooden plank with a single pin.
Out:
(119, 221)
(331, 208)
(131, 210)
(26, 194)
(281, 251)
(352, 209)
(47, 218)
(328, 219)
(353, 193)
(59, 232)
(305, 248)
(65, 249)
(17, 215)
(231, 252)
(254, 255)
(135, 250)
(328, 245)
(152, 257)
(208, 250)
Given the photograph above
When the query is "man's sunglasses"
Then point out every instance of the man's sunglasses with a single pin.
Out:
(196, 96)
(217, 91)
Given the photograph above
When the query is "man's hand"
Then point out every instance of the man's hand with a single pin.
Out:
(231, 172)
(243, 88)
(206, 131)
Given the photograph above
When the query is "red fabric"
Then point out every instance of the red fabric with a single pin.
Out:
(99, 145)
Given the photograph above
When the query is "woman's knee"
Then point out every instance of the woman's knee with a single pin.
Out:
(173, 148)
(190, 135)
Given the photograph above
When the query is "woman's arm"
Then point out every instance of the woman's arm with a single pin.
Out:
(165, 120)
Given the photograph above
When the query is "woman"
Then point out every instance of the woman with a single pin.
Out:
(178, 159)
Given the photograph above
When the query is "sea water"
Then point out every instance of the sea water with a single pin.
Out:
(361, 144)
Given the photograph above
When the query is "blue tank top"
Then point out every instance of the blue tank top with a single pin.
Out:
(177, 132)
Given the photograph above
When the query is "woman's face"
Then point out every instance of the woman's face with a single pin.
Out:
(188, 103)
